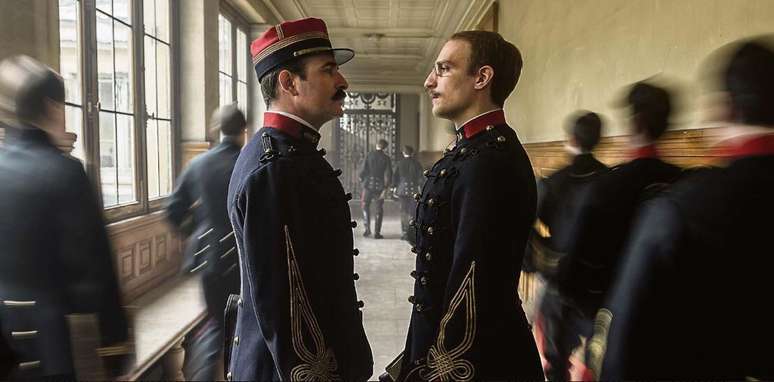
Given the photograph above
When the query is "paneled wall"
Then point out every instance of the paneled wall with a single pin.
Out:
(685, 148)
(146, 253)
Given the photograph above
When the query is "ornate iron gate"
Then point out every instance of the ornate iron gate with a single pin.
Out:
(367, 118)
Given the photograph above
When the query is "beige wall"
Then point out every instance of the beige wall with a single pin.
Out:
(580, 53)
(28, 27)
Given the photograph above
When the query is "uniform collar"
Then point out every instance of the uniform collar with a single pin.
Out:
(27, 134)
(291, 125)
(747, 145)
(647, 151)
(480, 122)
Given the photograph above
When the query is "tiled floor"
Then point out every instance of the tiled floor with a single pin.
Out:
(384, 266)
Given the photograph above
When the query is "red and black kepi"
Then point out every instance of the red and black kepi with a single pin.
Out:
(292, 39)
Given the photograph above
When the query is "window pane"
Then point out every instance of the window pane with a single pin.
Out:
(150, 76)
(123, 64)
(125, 158)
(162, 20)
(225, 90)
(163, 83)
(107, 158)
(165, 158)
(105, 61)
(105, 6)
(241, 46)
(149, 16)
(122, 10)
(152, 142)
(224, 42)
(242, 96)
(74, 124)
(69, 50)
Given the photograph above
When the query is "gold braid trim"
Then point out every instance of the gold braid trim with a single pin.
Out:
(447, 364)
(319, 363)
(598, 341)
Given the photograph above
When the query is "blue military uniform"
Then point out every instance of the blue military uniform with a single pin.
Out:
(407, 179)
(298, 316)
(472, 220)
(211, 249)
(690, 299)
(56, 258)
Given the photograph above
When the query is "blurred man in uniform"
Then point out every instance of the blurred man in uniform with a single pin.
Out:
(562, 325)
(375, 177)
(298, 317)
(201, 195)
(407, 180)
(602, 221)
(691, 298)
(56, 256)
(474, 215)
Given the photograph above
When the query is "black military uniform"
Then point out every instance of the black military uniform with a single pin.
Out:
(201, 194)
(691, 298)
(375, 176)
(560, 323)
(408, 179)
(473, 217)
(602, 223)
(299, 316)
(56, 257)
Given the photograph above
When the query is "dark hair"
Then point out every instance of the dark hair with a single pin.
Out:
(586, 129)
(651, 107)
(749, 80)
(489, 48)
(408, 150)
(270, 79)
(40, 84)
(381, 144)
(230, 120)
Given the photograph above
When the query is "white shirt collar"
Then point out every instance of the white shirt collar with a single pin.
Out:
(294, 117)
(484, 113)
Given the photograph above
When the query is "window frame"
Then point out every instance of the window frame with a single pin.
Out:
(90, 108)
(239, 23)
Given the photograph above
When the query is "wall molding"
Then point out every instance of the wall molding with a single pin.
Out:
(685, 148)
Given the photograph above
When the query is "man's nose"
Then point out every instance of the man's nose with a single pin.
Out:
(430, 80)
(342, 83)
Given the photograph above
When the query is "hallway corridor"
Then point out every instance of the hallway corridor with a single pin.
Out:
(384, 285)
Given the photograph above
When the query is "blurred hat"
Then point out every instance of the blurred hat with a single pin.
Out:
(291, 39)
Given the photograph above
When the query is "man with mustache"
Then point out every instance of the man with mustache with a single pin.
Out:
(475, 212)
(298, 316)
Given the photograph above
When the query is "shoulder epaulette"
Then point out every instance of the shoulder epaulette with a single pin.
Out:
(269, 152)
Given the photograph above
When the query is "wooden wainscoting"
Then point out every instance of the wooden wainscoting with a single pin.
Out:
(685, 148)
(147, 253)
(192, 149)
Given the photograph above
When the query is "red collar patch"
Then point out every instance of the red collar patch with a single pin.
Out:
(751, 145)
(480, 123)
(648, 151)
(290, 127)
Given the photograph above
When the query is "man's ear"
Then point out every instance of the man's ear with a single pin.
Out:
(286, 82)
(484, 77)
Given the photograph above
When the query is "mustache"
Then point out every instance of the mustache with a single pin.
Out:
(340, 94)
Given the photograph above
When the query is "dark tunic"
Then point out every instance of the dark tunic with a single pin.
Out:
(473, 217)
(691, 299)
(56, 257)
(201, 195)
(299, 317)
(601, 225)
(407, 177)
(376, 172)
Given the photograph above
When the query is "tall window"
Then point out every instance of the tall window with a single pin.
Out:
(119, 97)
(157, 102)
(232, 42)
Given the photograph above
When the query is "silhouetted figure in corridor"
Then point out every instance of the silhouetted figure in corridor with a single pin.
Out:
(691, 300)
(56, 258)
(472, 223)
(298, 318)
(562, 324)
(198, 208)
(407, 180)
(375, 176)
